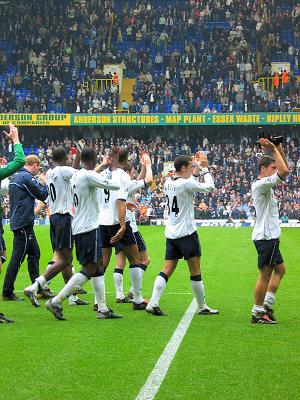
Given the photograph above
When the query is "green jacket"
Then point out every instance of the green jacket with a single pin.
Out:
(12, 167)
(15, 164)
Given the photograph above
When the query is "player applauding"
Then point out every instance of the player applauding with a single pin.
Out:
(181, 231)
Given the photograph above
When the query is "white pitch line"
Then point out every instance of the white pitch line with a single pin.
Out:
(160, 370)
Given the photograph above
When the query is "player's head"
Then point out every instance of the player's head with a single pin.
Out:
(123, 156)
(88, 158)
(129, 168)
(59, 155)
(183, 166)
(266, 166)
(32, 164)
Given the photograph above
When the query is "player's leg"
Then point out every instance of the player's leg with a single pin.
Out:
(106, 252)
(260, 290)
(144, 258)
(88, 271)
(62, 246)
(3, 318)
(278, 273)
(172, 255)
(74, 300)
(266, 250)
(61, 259)
(118, 277)
(1, 249)
(136, 275)
(144, 261)
(270, 299)
(128, 244)
(89, 255)
(159, 287)
(3, 253)
(33, 256)
(78, 280)
(18, 254)
(198, 287)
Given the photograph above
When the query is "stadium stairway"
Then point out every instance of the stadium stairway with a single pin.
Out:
(126, 92)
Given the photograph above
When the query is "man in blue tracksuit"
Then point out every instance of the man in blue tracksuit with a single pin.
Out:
(23, 190)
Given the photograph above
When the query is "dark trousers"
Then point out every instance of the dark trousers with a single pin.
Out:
(25, 243)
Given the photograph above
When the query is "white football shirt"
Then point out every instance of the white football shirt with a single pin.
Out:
(85, 185)
(60, 199)
(108, 199)
(180, 203)
(133, 187)
(267, 214)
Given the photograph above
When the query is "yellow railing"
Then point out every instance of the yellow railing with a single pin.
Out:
(121, 111)
(97, 85)
(267, 83)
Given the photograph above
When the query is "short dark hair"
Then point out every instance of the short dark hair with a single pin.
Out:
(182, 161)
(88, 154)
(59, 154)
(265, 161)
(123, 154)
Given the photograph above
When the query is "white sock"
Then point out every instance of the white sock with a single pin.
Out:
(136, 281)
(99, 292)
(47, 284)
(73, 298)
(76, 281)
(118, 281)
(258, 310)
(131, 288)
(270, 299)
(158, 289)
(199, 292)
(38, 284)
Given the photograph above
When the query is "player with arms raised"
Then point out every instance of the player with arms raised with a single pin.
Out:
(181, 231)
(115, 227)
(272, 171)
(144, 179)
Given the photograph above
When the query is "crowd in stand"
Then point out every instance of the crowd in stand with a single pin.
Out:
(234, 167)
(186, 56)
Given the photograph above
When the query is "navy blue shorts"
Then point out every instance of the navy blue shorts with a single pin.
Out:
(61, 231)
(140, 241)
(268, 252)
(186, 247)
(109, 231)
(88, 247)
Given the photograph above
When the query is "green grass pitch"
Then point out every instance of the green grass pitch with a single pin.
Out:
(221, 357)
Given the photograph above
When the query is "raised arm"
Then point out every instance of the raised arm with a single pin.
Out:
(280, 149)
(19, 158)
(280, 161)
(146, 171)
(200, 170)
(99, 181)
(101, 167)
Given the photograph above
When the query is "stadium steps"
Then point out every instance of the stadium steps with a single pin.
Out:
(126, 92)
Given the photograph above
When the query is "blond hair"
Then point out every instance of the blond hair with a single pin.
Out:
(32, 159)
